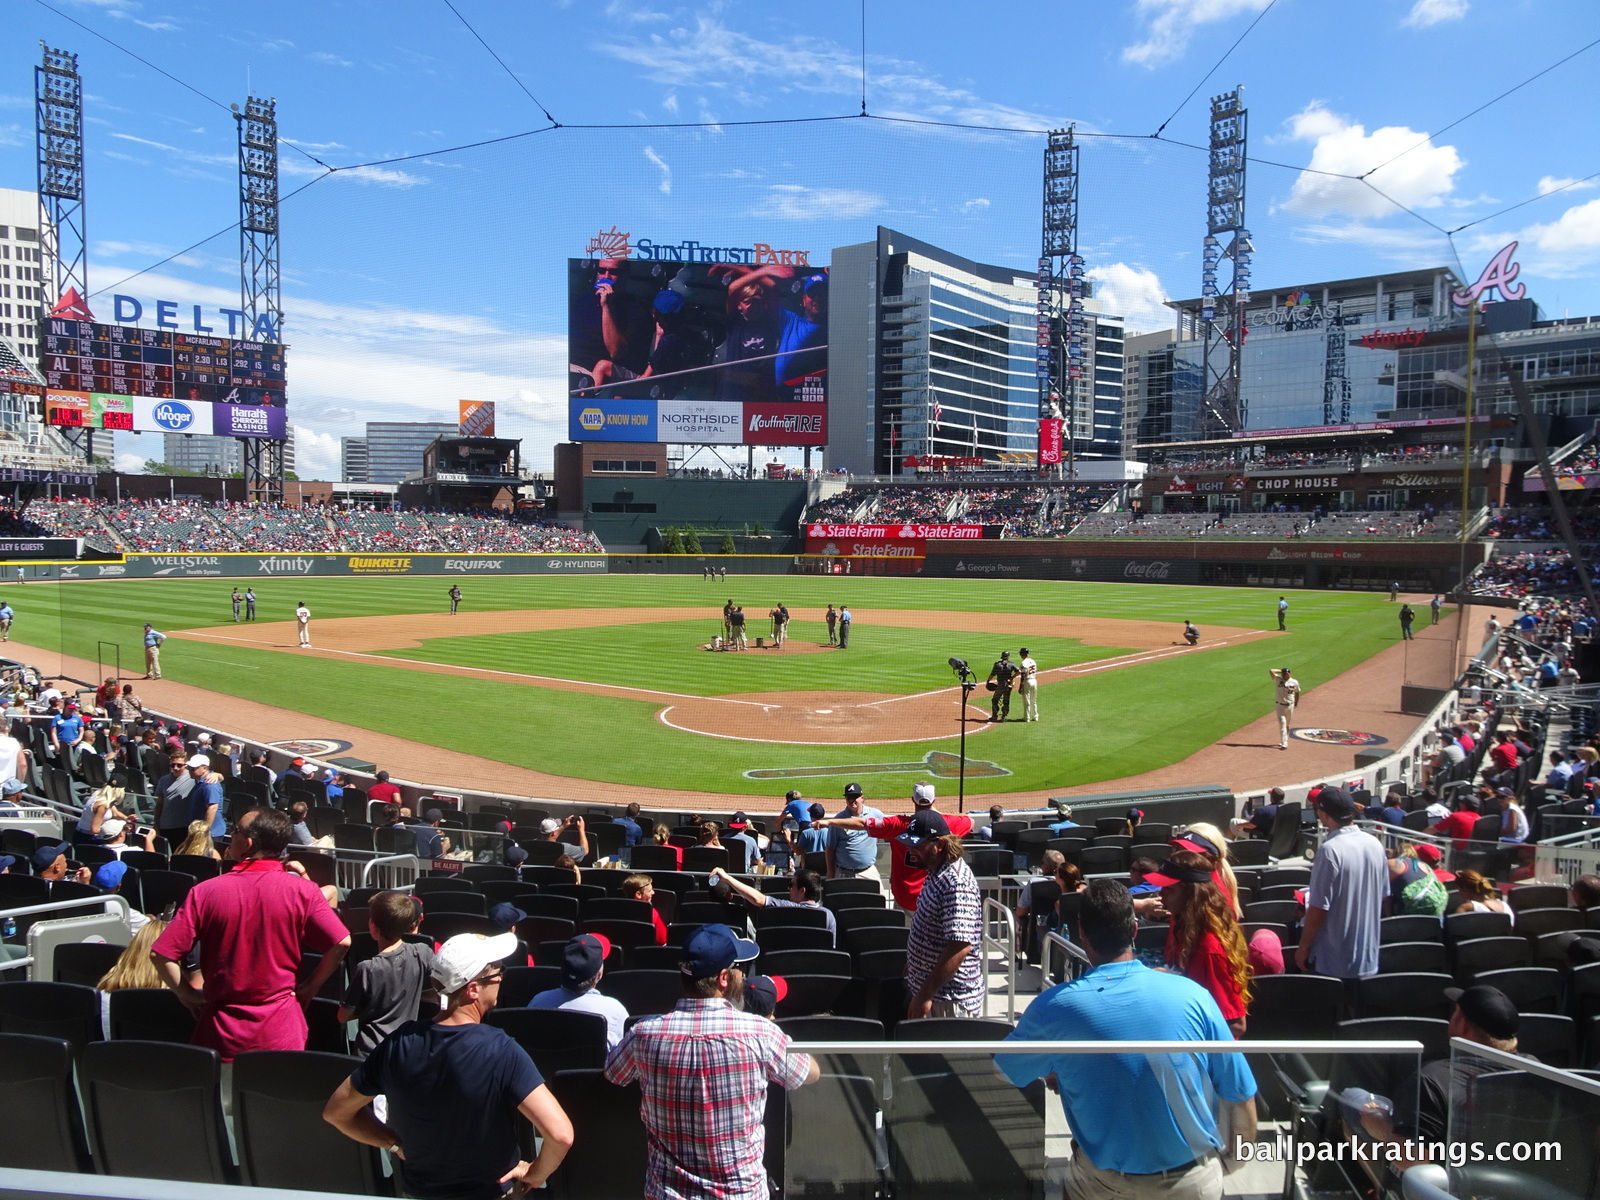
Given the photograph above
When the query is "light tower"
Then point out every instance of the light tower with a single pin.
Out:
(1060, 327)
(1222, 408)
(260, 293)
(63, 242)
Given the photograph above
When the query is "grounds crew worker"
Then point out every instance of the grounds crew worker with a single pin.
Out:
(1002, 676)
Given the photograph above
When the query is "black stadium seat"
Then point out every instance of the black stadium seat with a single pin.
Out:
(39, 1112)
(283, 1142)
(132, 1090)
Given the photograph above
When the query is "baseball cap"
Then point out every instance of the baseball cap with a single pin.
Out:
(1196, 842)
(1134, 815)
(713, 948)
(1337, 804)
(1488, 1008)
(922, 793)
(549, 825)
(818, 812)
(432, 815)
(198, 760)
(582, 957)
(1022, 650)
(668, 301)
(46, 854)
(506, 915)
(12, 786)
(738, 821)
(515, 856)
(462, 958)
(7, 861)
(109, 875)
(813, 281)
(763, 992)
(924, 825)
(1170, 873)
(852, 790)
(297, 762)
(112, 827)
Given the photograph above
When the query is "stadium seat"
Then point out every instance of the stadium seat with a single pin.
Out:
(608, 1159)
(39, 1109)
(804, 962)
(888, 963)
(1410, 928)
(874, 937)
(768, 917)
(810, 994)
(1408, 994)
(987, 863)
(522, 984)
(148, 1015)
(1425, 957)
(1466, 927)
(23, 891)
(834, 887)
(83, 962)
(1531, 989)
(1552, 1038)
(655, 958)
(543, 904)
(68, 1011)
(1294, 1007)
(159, 889)
(654, 858)
(456, 900)
(866, 918)
(831, 1142)
(644, 992)
(1487, 954)
(793, 937)
(1433, 1033)
(614, 908)
(1529, 896)
(623, 934)
(1536, 922)
(1152, 831)
(1277, 912)
(441, 927)
(1103, 860)
(482, 872)
(963, 1131)
(556, 1039)
(282, 1140)
(132, 1090)
(1249, 853)
(427, 885)
(577, 891)
(841, 902)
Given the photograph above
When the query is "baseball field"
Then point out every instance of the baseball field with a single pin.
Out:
(606, 678)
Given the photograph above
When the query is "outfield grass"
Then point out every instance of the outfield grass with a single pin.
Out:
(1094, 727)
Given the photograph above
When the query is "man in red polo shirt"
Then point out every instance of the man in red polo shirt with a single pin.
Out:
(906, 876)
(252, 924)
(384, 792)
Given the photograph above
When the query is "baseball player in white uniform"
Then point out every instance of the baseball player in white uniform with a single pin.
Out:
(302, 618)
(1288, 695)
(1028, 688)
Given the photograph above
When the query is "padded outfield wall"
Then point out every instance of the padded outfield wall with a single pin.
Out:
(345, 564)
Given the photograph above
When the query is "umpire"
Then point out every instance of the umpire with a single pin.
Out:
(1002, 677)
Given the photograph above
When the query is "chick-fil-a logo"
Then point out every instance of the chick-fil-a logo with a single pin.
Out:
(1498, 276)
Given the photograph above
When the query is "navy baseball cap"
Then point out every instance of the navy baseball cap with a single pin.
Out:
(506, 915)
(924, 825)
(582, 957)
(7, 861)
(46, 854)
(763, 992)
(1197, 843)
(713, 948)
(668, 301)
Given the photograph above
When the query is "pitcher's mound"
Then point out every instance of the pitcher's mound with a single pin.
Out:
(826, 718)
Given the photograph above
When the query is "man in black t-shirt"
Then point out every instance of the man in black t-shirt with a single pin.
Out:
(454, 1087)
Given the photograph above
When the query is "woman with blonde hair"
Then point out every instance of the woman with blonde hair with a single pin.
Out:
(133, 968)
(662, 836)
(197, 840)
(1206, 839)
(1204, 940)
(1479, 894)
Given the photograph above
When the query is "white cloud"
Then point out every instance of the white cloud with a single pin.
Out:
(977, 204)
(329, 60)
(1134, 293)
(707, 55)
(671, 102)
(193, 156)
(1422, 178)
(130, 464)
(793, 202)
(382, 176)
(1431, 12)
(1551, 183)
(666, 171)
(1565, 248)
(316, 455)
(1172, 22)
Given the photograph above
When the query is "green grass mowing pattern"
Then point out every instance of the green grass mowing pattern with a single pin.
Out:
(1095, 727)
(890, 659)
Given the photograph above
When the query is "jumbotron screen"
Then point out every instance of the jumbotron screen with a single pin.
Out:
(152, 381)
(697, 352)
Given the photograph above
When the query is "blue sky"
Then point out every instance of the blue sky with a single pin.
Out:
(411, 284)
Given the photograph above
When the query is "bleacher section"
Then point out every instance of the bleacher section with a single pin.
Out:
(1389, 526)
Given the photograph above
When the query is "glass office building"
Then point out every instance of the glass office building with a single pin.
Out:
(933, 354)
(394, 448)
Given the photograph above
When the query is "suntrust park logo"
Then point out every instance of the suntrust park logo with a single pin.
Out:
(380, 564)
(472, 564)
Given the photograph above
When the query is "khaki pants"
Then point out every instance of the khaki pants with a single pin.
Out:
(864, 873)
(949, 1008)
(1285, 714)
(152, 661)
(1085, 1181)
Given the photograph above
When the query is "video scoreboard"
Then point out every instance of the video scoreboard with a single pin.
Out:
(153, 380)
(124, 360)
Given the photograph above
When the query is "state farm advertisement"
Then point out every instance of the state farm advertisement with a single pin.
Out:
(888, 541)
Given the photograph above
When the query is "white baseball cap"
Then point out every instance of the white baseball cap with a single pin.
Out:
(110, 829)
(922, 793)
(199, 760)
(463, 958)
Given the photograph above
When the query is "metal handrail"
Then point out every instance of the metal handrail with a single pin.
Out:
(392, 860)
(897, 1049)
(1528, 1066)
(59, 906)
(1006, 946)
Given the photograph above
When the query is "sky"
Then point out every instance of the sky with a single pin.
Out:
(419, 272)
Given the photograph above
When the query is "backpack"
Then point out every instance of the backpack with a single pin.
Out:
(1424, 896)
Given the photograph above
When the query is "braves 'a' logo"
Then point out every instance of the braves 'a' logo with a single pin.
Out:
(1498, 276)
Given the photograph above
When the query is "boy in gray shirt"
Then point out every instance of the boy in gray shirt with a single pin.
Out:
(386, 990)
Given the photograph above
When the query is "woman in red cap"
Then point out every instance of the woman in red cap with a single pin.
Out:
(1204, 940)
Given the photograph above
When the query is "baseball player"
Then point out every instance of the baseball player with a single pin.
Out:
(302, 619)
(455, 598)
(1287, 696)
(1028, 685)
(1002, 675)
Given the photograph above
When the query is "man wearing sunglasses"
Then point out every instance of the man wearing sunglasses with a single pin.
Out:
(454, 1087)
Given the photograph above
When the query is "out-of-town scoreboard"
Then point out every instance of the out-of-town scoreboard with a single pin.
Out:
(157, 381)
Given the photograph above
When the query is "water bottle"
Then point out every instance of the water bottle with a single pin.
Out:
(8, 928)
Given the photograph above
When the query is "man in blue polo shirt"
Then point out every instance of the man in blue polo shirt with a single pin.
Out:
(1143, 1124)
(853, 853)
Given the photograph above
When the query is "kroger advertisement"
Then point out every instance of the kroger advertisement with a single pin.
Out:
(732, 352)
(143, 414)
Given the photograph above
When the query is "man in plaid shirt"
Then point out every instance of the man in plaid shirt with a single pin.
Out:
(703, 1070)
(944, 974)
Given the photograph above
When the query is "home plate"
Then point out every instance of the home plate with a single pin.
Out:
(822, 712)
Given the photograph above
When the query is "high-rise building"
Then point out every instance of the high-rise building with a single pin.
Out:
(353, 460)
(203, 453)
(934, 354)
(27, 283)
(394, 448)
